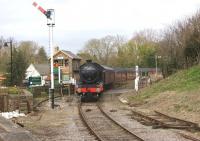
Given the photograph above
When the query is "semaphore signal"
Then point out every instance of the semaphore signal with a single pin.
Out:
(41, 9)
(35, 4)
(50, 14)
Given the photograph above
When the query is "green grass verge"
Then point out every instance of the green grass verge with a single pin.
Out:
(14, 90)
(184, 80)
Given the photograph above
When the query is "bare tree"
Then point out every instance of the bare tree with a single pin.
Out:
(102, 50)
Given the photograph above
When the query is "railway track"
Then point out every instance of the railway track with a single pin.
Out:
(43, 101)
(160, 120)
(103, 126)
(189, 137)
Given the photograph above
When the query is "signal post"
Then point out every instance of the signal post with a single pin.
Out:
(50, 15)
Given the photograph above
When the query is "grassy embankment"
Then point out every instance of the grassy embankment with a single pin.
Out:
(179, 93)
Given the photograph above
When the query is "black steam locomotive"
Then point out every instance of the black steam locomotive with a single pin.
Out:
(95, 78)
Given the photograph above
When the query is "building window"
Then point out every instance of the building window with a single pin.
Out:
(75, 65)
(66, 62)
(55, 63)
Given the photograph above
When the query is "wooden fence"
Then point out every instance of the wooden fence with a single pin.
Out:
(3, 102)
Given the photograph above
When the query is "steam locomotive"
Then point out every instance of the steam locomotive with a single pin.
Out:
(95, 78)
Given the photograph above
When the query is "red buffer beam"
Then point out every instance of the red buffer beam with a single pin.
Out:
(39, 8)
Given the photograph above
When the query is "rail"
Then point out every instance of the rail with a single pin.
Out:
(84, 119)
(160, 120)
(109, 117)
(38, 104)
(96, 119)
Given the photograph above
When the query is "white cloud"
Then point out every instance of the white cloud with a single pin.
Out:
(80, 20)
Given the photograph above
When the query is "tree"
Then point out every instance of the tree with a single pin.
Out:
(103, 51)
(29, 50)
(19, 66)
(41, 56)
(180, 45)
(4, 53)
(4, 56)
(144, 47)
(115, 51)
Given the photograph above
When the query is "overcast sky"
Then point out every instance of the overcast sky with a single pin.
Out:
(80, 20)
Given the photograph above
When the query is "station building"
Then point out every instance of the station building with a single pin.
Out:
(66, 69)
(66, 66)
(37, 74)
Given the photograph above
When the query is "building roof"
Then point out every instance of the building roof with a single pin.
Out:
(140, 69)
(71, 55)
(43, 69)
(107, 68)
(149, 69)
(2, 77)
(67, 53)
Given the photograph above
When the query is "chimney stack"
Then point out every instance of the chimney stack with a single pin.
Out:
(56, 49)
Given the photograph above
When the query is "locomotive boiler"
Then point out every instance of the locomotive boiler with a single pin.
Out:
(94, 78)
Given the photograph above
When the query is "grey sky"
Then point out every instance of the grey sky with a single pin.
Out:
(80, 20)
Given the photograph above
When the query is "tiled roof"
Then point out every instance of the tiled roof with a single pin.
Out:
(71, 55)
(2, 77)
(42, 68)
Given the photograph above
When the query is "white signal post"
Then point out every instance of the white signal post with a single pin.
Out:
(50, 14)
(51, 24)
(137, 78)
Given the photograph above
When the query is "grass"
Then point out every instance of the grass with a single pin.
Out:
(11, 90)
(182, 81)
(14, 90)
(177, 95)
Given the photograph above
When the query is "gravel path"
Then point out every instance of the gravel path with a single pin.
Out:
(122, 114)
(61, 124)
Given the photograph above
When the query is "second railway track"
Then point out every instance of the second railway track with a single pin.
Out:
(160, 120)
(102, 126)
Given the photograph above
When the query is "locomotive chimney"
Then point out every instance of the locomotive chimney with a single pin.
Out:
(89, 61)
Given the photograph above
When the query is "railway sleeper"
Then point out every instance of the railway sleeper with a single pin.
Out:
(145, 122)
(160, 119)
(164, 118)
(139, 118)
(177, 120)
(143, 116)
(189, 137)
(173, 127)
(167, 122)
